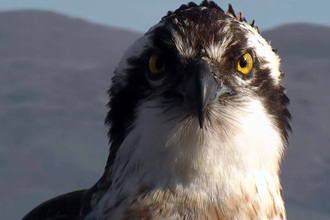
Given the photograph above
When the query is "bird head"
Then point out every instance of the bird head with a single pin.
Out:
(205, 83)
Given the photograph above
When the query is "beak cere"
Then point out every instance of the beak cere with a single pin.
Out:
(201, 87)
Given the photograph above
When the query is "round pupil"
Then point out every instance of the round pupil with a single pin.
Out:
(159, 64)
(243, 62)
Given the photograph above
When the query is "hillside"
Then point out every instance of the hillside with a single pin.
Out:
(55, 71)
(304, 49)
(301, 40)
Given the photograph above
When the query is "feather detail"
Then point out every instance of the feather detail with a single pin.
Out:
(231, 11)
(214, 212)
(262, 202)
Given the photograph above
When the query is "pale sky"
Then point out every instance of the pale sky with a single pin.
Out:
(140, 15)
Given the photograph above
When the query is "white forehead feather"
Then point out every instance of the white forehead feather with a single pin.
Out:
(182, 45)
(264, 51)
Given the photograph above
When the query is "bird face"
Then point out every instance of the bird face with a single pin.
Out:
(197, 66)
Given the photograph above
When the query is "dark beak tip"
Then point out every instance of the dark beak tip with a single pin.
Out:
(201, 119)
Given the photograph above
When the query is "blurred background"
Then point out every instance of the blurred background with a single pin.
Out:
(56, 62)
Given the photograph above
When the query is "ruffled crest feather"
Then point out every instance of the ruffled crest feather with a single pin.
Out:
(212, 5)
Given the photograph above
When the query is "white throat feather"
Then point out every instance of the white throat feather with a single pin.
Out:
(236, 156)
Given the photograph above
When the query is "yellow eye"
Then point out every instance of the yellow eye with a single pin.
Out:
(156, 64)
(245, 64)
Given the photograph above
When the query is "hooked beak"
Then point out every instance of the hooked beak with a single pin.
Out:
(201, 87)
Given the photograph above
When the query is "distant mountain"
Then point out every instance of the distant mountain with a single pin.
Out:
(54, 74)
(301, 40)
(305, 54)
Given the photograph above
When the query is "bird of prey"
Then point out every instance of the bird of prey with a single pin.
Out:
(198, 126)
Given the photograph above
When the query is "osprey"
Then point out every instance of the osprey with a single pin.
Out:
(198, 126)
